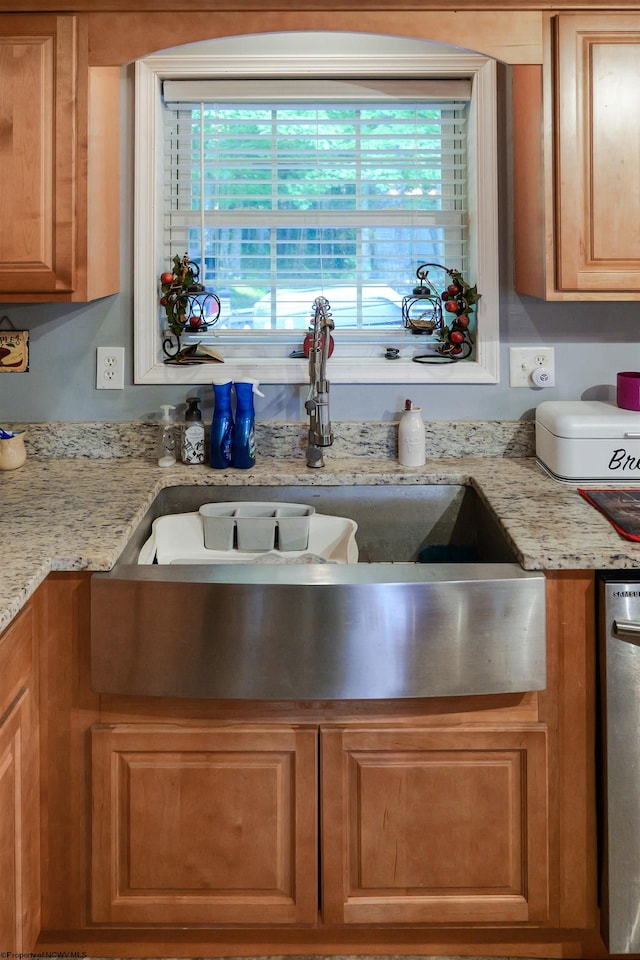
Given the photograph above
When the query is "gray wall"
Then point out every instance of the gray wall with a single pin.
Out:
(592, 342)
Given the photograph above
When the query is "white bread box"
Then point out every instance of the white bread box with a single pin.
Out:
(588, 440)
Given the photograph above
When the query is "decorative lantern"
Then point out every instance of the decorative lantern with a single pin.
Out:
(189, 307)
(422, 313)
(422, 308)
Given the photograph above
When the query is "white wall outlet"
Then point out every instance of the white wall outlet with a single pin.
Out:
(532, 367)
(110, 368)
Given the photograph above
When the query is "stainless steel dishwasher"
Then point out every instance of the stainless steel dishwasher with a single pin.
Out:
(619, 669)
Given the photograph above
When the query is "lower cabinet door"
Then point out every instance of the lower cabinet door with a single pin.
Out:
(443, 825)
(204, 825)
(20, 914)
(19, 826)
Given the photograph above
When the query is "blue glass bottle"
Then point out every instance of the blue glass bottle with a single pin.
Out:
(222, 428)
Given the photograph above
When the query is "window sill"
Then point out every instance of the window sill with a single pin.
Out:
(348, 370)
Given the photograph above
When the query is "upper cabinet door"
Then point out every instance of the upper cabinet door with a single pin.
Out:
(59, 123)
(576, 152)
(598, 117)
(37, 120)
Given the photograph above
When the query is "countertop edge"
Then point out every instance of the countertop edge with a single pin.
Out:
(70, 514)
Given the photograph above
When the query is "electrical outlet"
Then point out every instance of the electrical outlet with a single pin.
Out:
(532, 367)
(110, 368)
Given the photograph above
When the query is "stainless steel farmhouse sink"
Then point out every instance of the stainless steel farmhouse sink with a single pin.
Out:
(435, 606)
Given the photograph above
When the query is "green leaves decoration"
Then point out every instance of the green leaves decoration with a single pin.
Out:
(175, 286)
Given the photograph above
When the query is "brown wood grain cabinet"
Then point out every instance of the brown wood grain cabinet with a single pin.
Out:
(205, 824)
(19, 788)
(218, 824)
(173, 827)
(441, 825)
(577, 161)
(59, 153)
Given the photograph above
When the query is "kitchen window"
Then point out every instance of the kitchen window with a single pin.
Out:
(284, 186)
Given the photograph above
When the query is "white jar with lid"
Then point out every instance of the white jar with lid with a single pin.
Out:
(411, 439)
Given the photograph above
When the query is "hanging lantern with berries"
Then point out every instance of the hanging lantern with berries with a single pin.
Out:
(188, 306)
(446, 316)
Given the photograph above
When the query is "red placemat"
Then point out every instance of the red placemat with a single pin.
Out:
(620, 507)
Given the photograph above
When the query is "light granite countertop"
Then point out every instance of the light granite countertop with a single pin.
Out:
(77, 514)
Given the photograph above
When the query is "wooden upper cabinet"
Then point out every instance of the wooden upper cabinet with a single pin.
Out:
(59, 133)
(577, 162)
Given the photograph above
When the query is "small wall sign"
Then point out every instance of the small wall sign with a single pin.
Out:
(14, 349)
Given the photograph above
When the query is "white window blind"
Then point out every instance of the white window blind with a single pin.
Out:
(281, 190)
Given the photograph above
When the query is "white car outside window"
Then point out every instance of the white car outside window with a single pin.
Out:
(352, 309)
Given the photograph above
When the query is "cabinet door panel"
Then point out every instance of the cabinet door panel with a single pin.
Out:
(434, 826)
(9, 833)
(26, 66)
(37, 66)
(19, 787)
(204, 825)
(598, 102)
(19, 826)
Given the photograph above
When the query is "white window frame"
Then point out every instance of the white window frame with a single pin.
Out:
(482, 125)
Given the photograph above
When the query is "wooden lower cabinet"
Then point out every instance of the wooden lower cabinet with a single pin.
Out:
(204, 824)
(19, 788)
(453, 826)
(435, 825)
(219, 824)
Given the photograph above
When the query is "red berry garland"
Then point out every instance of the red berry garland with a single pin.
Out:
(447, 316)
(459, 299)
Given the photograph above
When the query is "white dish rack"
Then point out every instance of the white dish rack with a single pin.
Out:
(179, 539)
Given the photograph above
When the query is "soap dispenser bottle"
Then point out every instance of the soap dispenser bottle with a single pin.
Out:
(193, 434)
(244, 441)
(166, 437)
(411, 440)
(221, 439)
